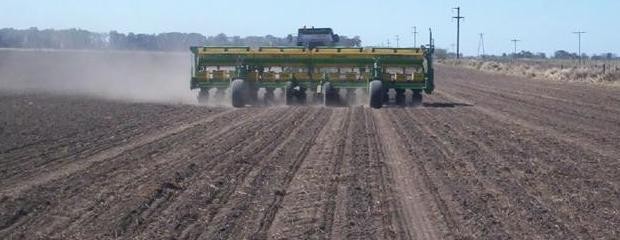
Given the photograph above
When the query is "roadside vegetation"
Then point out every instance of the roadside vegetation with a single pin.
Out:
(562, 66)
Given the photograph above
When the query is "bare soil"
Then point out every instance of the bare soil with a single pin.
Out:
(486, 157)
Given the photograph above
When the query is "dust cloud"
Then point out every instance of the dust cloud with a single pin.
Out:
(118, 75)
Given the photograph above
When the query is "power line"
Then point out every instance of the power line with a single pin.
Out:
(458, 30)
(579, 35)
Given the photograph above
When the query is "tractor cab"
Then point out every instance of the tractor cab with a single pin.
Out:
(316, 37)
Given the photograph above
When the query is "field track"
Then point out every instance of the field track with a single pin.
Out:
(486, 157)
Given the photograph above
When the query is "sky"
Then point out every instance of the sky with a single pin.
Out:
(541, 25)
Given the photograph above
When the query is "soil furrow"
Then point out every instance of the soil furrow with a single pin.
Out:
(485, 157)
(235, 139)
(416, 207)
(467, 195)
(393, 222)
(308, 206)
(81, 146)
(521, 150)
(587, 120)
(574, 91)
(251, 214)
(358, 213)
(542, 124)
(215, 186)
(108, 174)
(101, 156)
(543, 98)
(525, 212)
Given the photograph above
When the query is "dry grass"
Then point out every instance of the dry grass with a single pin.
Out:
(597, 72)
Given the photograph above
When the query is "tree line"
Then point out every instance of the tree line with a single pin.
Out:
(559, 54)
(173, 41)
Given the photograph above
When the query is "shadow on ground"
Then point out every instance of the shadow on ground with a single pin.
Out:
(446, 105)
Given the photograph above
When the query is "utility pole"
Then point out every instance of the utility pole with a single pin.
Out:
(458, 31)
(431, 40)
(397, 41)
(579, 35)
(388, 43)
(415, 37)
(481, 45)
(515, 41)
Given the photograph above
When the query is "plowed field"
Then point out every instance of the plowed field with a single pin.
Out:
(486, 157)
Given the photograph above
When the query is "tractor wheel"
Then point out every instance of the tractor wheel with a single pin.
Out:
(376, 92)
(289, 93)
(386, 95)
(302, 96)
(203, 96)
(295, 94)
(330, 95)
(238, 93)
(416, 98)
(400, 97)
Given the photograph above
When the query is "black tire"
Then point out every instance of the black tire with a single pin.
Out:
(238, 93)
(400, 97)
(302, 96)
(376, 91)
(416, 98)
(330, 95)
(295, 94)
(289, 93)
(386, 96)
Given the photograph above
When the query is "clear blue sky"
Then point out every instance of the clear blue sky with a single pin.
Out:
(542, 25)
